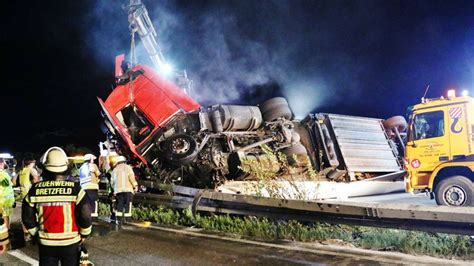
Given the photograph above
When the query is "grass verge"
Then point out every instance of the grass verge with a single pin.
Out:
(410, 242)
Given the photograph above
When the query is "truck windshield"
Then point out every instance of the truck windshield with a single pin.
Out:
(138, 126)
(428, 125)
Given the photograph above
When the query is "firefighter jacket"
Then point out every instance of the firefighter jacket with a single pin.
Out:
(89, 176)
(58, 211)
(123, 178)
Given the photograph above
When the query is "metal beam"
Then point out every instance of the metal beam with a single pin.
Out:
(437, 219)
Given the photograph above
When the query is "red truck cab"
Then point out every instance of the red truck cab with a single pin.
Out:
(140, 106)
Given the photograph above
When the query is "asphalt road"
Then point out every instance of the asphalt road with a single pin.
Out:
(132, 245)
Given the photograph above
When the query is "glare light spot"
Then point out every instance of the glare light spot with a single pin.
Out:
(465, 93)
(451, 94)
(6, 156)
(305, 97)
(166, 69)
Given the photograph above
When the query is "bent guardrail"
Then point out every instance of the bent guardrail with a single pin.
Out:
(436, 219)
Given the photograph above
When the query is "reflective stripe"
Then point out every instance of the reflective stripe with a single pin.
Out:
(84, 181)
(95, 214)
(57, 242)
(3, 232)
(91, 186)
(39, 199)
(128, 211)
(58, 235)
(28, 200)
(67, 218)
(33, 231)
(85, 231)
(41, 217)
(80, 196)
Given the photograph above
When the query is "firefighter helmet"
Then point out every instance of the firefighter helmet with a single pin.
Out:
(89, 157)
(55, 160)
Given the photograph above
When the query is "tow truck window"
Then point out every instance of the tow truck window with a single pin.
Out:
(428, 125)
(138, 126)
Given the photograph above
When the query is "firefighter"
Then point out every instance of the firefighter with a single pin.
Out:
(89, 180)
(28, 175)
(7, 196)
(124, 185)
(57, 211)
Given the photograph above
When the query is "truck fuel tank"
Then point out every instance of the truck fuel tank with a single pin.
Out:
(235, 118)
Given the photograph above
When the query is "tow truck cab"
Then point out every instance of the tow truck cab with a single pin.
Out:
(439, 150)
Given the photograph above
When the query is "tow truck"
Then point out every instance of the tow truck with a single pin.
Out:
(439, 151)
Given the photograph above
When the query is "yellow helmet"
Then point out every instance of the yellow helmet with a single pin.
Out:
(55, 160)
(89, 157)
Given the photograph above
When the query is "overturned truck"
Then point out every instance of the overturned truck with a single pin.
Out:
(232, 148)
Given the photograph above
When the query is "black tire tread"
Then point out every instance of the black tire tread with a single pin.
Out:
(449, 181)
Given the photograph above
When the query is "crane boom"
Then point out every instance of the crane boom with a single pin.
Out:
(140, 22)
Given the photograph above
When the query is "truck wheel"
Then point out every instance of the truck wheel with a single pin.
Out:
(295, 149)
(275, 108)
(292, 153)
(181, 149)
(454, 191)
(398, 122)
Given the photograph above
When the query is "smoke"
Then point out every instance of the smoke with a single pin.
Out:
(312, 53)
(106, 32)
(224, 64)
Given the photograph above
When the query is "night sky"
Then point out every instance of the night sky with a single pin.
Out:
(368, 58)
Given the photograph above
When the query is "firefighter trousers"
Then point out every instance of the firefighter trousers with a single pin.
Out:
(124, 204)
(93, 196)
(52, 255)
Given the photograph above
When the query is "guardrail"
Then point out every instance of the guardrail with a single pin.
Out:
(436, 219)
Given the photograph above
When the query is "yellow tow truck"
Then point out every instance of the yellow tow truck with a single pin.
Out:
(439, 150)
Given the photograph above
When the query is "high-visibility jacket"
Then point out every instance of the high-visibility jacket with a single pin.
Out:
(25, 181)
(89, 176)
(123, 178)
(7, 196)
(58, 211)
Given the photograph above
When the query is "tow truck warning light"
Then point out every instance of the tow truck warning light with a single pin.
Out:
(451, 94)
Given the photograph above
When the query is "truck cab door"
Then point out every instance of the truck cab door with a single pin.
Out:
(428, 144)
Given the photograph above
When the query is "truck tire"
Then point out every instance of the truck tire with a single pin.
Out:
(292, 153)
(181, 149)
(275, 108)
(398, 122)
(295, 149)
(454, 191)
